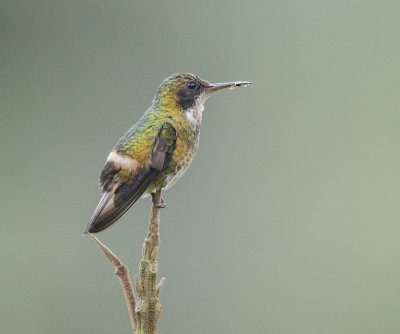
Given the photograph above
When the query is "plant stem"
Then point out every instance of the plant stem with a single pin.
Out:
(145, 312)
(149, 307)
(122, 271)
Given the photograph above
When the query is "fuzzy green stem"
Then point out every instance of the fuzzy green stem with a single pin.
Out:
(145, 311)
(122, 271)
(149, 307)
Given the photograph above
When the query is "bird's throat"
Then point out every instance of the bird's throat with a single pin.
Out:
(193, 115)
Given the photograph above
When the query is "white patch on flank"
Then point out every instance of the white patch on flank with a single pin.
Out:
(123, 161)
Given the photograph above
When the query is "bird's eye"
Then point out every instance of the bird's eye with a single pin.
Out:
(191, 85)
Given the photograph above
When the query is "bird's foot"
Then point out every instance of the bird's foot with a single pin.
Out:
(161, 205)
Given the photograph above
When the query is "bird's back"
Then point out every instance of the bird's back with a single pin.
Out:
(138, 141)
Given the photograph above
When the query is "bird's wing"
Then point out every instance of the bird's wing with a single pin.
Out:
(121, 192)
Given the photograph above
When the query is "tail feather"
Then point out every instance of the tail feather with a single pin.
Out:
(115, 203)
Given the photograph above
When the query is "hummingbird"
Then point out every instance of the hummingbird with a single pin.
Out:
(156, 151)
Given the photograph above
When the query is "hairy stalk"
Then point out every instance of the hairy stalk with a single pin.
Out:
(145, 312)
(122, 271)
(148, 307)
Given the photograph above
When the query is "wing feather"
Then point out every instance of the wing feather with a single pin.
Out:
(120, 195)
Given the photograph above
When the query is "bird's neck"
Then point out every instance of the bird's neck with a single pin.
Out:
(193, 115)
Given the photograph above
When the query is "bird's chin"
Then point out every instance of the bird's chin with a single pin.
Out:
(204, 97)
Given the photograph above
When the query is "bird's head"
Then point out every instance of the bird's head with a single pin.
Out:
(185, 91)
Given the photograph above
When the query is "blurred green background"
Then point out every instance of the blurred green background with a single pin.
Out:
(288, 219)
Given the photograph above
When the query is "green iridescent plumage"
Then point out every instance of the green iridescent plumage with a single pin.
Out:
(156, 151)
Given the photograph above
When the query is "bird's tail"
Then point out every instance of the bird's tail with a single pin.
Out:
(116, 202)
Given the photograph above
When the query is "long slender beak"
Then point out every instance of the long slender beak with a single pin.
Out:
(217, 86)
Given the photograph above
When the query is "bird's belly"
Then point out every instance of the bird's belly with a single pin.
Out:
(181, 165)
(170, 176)
(181, 160)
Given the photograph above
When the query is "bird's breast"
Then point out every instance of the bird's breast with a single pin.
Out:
(181, 159)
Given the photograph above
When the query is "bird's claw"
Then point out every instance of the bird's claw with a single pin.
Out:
(161, 205)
